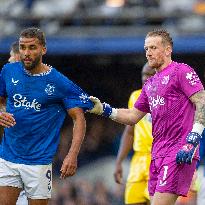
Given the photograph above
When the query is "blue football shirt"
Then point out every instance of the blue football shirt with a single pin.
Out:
(39, 104)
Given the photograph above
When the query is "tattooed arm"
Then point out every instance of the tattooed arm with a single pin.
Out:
(186, 153)
(199, 100)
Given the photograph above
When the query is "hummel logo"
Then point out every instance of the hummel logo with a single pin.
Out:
(192, 77)
(14, 81)
(162, 183)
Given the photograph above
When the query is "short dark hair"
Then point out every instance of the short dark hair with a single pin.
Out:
(15, 47)
(34, 33)
(164, 34)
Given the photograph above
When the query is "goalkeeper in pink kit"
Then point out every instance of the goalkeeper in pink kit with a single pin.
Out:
(175, 97)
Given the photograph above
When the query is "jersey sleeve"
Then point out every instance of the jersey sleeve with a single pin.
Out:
(188, 80)
(2, 83)
(142, 102)
(74, 96)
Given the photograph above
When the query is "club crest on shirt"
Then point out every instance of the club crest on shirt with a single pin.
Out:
(192, 77)
(165, 80)
(153, 89)
(50, 89)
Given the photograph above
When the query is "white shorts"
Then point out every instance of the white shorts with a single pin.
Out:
(36, 180)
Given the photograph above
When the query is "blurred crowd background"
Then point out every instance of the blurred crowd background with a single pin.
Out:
(60, 17)
(99, 45)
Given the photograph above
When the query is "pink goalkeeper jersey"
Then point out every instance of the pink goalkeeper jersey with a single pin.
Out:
(166, 96)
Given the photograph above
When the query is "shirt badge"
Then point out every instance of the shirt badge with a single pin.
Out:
(165, 80)
(50, 89)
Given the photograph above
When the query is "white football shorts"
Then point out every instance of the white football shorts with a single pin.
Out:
(36, 180)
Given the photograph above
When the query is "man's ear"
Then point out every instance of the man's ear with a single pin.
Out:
(168, 50)
(44, 50)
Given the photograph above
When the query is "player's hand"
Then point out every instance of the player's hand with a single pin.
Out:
(186, 154)
(118, 173)
(98, 106)
(7, 119)
(69, 166)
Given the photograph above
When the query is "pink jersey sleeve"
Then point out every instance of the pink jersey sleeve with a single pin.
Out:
(188, 80)
(142, 103)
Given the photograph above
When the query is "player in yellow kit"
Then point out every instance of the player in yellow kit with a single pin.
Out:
(138, 137)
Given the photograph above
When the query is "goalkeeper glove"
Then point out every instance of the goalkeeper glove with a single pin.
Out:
(186, 154)
(103, 109)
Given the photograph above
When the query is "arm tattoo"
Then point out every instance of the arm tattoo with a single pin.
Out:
(199, 100)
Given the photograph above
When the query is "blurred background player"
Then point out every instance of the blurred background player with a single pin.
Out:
(138, 137)
(14, 52)
(15, 57)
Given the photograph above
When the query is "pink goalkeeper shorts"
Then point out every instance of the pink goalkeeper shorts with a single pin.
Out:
(166, 176)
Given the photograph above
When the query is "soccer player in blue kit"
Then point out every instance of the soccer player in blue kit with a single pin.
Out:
(38, 99)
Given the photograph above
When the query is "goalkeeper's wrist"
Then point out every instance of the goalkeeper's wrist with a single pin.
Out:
(113, 115)
(198, 128)
(108, 111)
(195, 135)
